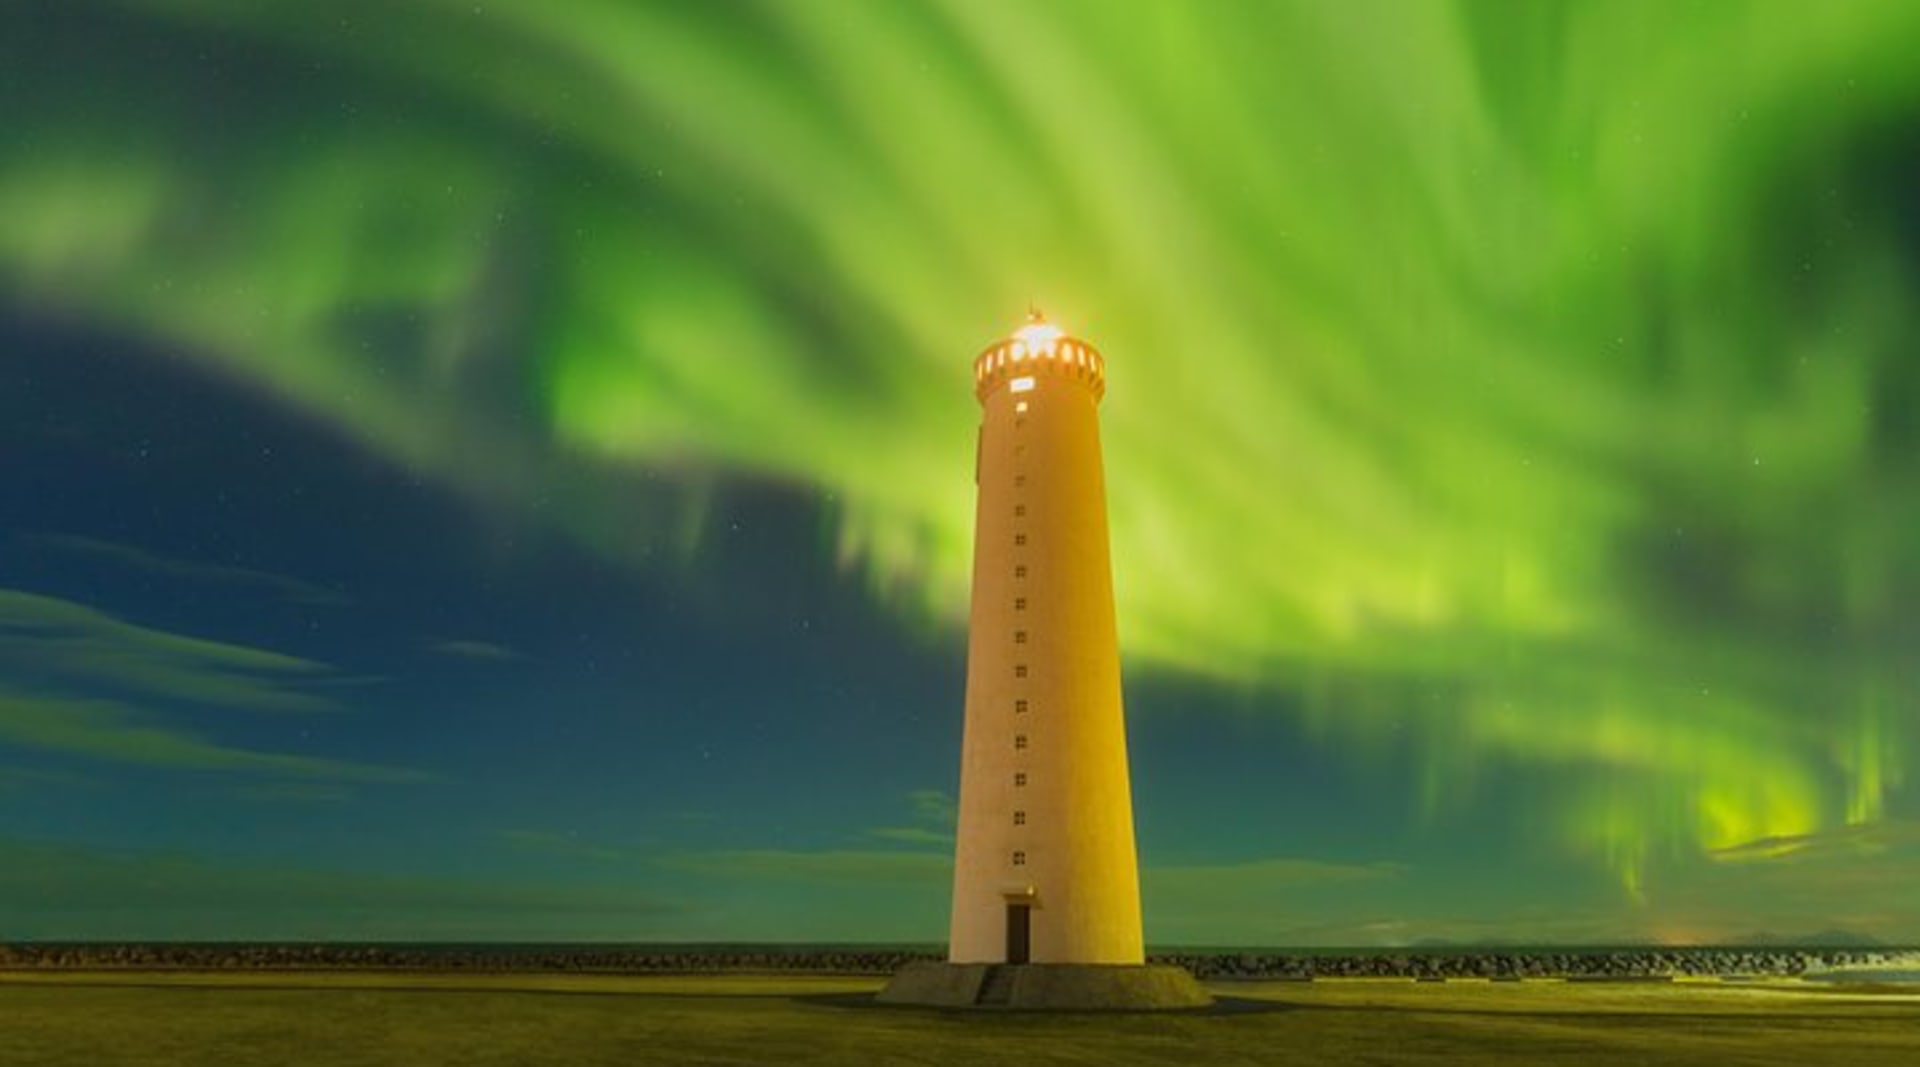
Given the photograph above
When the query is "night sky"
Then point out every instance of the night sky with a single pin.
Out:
(503, 470)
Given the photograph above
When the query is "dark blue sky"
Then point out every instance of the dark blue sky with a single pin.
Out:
(503, 472)
(493, 704)
(496, 707)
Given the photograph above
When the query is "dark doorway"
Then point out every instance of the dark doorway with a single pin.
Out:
(1019, 933)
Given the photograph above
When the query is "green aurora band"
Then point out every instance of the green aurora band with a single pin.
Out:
(1533, 379)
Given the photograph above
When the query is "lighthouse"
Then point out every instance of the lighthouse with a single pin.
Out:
(1044, 866)
(1046, 884)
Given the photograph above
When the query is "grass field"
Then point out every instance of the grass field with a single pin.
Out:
(336, 1018)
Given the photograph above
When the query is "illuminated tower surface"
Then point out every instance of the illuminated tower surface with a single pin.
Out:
(1044, 865)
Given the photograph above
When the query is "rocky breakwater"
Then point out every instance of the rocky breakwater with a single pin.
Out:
(1503, 965)
(503, 959)
(1514, 965)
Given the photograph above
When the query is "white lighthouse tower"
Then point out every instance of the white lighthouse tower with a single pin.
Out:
(1046, 886)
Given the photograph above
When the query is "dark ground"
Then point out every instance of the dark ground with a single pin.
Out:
(370, 1017)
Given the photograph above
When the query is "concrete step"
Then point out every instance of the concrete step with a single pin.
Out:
(997, 987)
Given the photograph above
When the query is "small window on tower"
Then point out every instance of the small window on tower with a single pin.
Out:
(1019, 740)
(1020, 407)
(1020, 570)
(1019, 539)
(1019, 480)
(1019, 510)
(1019, 858)
(1021, 385)
(1019, 637)
(1019, 818)
(1019, 778)
(1019, 670)
(1019, 603)
(1020, 706)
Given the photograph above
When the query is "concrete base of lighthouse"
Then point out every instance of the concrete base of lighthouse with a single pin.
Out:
(1046, 987)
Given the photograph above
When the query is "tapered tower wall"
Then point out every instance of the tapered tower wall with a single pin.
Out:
(1046, 814)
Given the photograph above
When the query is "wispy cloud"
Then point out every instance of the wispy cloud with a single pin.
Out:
(61, 644)
(836, 867)
(57, 891)
(485, 650)
(1262, 901)
(935, 806)
(911, 835)
(109, 731)
(37, 778)
(129, 557)
(79, 681)
(934, 814)
(1266, 876)
(566, 845)
(1865, 839)
(295, 793)
(1858, 878)
(1839, 884)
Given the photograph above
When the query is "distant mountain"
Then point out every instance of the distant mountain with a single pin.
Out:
(1822, 939)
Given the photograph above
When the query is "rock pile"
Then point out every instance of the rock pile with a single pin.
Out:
(1625, 964)
(214, 957)
(1619, 965)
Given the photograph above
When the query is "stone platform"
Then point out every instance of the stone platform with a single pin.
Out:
(1046, 987)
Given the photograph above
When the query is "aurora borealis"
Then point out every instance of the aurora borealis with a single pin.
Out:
(501, 470)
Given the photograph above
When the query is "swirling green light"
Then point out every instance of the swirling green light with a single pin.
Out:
(1529, 372)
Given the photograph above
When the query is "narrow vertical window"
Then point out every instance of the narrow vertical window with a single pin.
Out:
(1019, 670)
(1019, 603)
(1019, 740)
(1019, 637)
(1020, 570)
(1020, 706)
(1019, 858)
(1019, 778)
(1019, 539)
(1019, 818)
